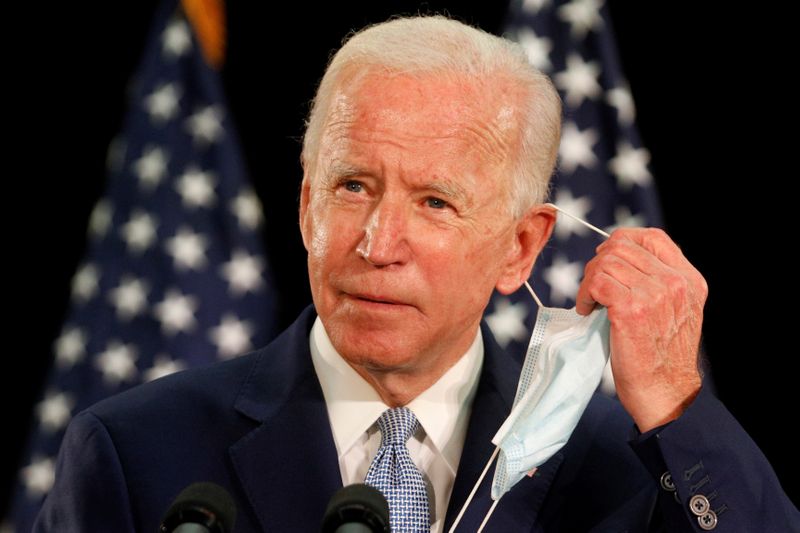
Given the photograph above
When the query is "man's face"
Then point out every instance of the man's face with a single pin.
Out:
(406, 220)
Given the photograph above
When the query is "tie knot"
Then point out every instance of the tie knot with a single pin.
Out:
(397, 425)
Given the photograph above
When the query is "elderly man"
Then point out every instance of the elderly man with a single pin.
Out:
(426, 159)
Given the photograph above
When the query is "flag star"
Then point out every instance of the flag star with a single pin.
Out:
(564, 279)
(162, 104)
(117, 363)
(188, 249)
(176, 312)
(243, 273)
(163, 366)
(139, 232)
(232, 336)
(624, 219)
(38, 477)
(507, 322)
(176, 39)
(85, 283)
(54, 411)
(582, 16)
(578, 207)
(151, 167)
(196, 188)
(576, 148)
(129, 297)
(100, 219)
(579, 80)
(70, 347)
(205, 126)
(247, 209)
(533, 6)
(537, 48)
(620, 98)
(630, 166)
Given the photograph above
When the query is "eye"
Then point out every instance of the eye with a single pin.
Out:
(436, 203)
(353, 186)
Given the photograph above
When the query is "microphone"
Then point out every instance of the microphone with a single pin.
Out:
(356, 508)
(201, 507)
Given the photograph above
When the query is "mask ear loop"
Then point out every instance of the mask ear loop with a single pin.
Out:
(491, 459)
(497, 448)
(573, 217)
(530, 290)
(472, 494)
(576, 219)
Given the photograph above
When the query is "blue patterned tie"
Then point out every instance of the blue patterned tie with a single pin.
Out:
(395, 475)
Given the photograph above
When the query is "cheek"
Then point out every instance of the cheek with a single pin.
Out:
(332, 237)
(459, 284)
(479, 250)
(322, 226)
(318, 245)
(453, 264)
(320, 240)
(482, 262)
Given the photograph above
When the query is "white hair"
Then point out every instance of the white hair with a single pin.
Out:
(445, 47)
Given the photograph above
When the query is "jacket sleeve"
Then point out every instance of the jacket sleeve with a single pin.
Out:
(711, 476)
(89, 492)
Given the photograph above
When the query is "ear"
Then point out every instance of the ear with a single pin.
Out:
(531, 234)
(305, 218)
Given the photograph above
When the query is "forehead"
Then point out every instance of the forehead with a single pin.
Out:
(426, 112)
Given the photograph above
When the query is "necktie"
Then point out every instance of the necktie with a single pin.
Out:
(395, 475)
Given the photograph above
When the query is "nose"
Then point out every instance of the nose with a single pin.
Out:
(385, 234)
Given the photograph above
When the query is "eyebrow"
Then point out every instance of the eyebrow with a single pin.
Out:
(341, 169)
(447, 188)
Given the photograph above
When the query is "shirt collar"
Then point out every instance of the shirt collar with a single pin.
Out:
(353, 405)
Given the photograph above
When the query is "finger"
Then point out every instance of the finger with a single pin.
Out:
(683, 278)
(655, 241)
(599, 288)
(585, 300)
(584, 303)
(624, 272)
(634, 254)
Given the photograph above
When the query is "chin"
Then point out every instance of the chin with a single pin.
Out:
(375, 350)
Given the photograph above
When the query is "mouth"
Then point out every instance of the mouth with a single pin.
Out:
(376, 307)
(377, 299)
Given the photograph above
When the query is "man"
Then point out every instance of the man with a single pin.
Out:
(426, 160)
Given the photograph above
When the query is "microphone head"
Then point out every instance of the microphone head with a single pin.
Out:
(202, 503)
(360, 504)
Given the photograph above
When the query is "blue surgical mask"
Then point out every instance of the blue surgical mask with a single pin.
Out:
(563, 367)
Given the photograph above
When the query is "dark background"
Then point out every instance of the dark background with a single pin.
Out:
(709, 97)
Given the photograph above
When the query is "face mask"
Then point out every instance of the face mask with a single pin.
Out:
(563, 366)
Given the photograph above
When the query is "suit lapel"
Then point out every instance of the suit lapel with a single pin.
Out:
(288, 465)
(494, 397)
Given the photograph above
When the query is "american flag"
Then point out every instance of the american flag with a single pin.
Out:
(175, 274)
(602, 174)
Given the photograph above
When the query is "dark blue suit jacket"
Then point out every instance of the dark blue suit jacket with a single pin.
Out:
(258, 426)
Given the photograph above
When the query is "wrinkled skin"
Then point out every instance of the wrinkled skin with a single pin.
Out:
(407, 226)
(655, 300)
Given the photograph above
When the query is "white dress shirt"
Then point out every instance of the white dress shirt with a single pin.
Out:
(442, 410)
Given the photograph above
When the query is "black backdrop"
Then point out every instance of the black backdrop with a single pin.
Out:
(709, 101)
